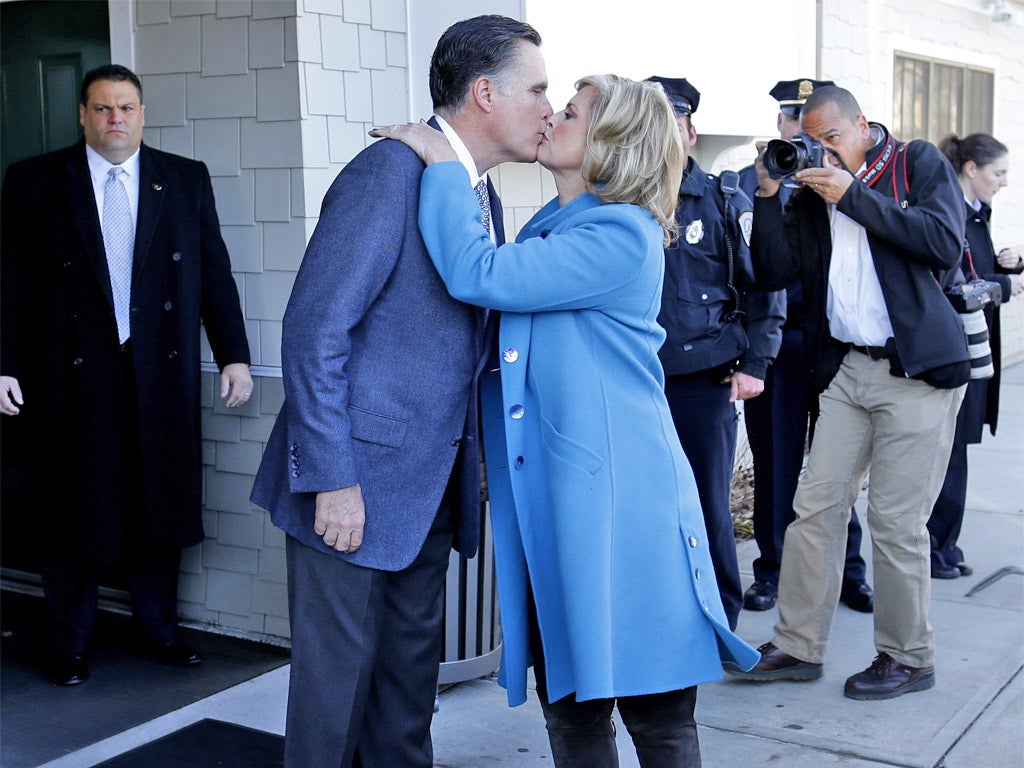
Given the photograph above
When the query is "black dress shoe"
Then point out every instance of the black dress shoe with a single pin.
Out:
(776, 665)
(70, 670)
(858, 596)
(944, 571)
(887, 679)
(965, 569)
(175, 654)
(760, 596)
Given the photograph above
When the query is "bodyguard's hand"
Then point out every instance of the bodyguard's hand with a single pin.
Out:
(340, 517)
(430, 144)
(236, 379)
(829, 182)
(745, 387)
(10, 396)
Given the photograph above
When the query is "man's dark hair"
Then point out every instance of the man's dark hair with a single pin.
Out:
(833, 94)
(113, 72)
(484, 46)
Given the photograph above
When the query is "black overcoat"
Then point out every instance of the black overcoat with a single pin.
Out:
(59, 338)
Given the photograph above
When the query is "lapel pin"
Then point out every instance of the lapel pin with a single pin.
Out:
(157, 187)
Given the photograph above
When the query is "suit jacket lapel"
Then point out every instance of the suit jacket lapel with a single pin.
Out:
(82, 204)
(497, 215)
(151, 198)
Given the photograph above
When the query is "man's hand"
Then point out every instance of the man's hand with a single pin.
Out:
(766, 185)
(1009, 258)
(1016, 285)
(340, 517)
(829, 182)
(745, 387)
(236, 379)
(10, 396)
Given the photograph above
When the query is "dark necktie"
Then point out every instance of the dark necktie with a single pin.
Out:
(119, 242)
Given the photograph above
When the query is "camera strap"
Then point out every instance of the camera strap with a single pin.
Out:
(871, 175)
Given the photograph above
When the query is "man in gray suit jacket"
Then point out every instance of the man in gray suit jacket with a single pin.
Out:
(373, 466)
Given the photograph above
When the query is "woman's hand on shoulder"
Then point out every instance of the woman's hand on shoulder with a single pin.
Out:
(427, 142)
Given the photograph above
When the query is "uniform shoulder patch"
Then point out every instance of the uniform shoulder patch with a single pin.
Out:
(746, 222)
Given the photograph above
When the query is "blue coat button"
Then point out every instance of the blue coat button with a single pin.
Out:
(510, 355)
(516, 412)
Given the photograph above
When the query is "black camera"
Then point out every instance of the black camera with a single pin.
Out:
(784, 158)
(973, 295)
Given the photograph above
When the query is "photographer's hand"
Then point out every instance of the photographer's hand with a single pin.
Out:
(766, 185)
(829, 182)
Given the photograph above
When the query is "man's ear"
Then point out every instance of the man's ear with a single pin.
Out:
(482, 92)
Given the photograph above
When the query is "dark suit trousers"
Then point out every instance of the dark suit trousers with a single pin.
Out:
(70, 577)
(366, 647)
(777, 432)
(706, 423)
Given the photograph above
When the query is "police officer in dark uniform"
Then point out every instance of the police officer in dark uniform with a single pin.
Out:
(777, 420)
(721, 338)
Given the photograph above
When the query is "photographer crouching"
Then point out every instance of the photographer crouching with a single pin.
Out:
(871, 233)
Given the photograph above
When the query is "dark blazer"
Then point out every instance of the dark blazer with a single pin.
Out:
(60, 340)
(912, 247)
(380, 367)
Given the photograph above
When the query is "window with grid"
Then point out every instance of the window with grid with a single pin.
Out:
(932, 98)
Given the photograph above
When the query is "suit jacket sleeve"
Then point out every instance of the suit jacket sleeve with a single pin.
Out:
(367, 213)
(221, 310)
(12, 278)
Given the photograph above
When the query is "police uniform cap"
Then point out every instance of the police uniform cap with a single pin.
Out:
(791, 94)
(683, 97)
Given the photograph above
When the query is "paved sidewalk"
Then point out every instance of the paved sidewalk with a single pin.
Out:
(972, 718)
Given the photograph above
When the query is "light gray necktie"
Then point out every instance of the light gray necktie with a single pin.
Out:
(485, 204)
(119, 242)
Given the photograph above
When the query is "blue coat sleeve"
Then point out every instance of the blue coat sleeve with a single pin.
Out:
(582, 266)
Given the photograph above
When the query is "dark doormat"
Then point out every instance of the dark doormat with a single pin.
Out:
(42, 721)
(206, 744)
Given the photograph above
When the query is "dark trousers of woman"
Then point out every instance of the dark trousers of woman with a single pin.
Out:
(582, 735)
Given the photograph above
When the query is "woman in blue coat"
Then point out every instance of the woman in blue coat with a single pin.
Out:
(604, 577)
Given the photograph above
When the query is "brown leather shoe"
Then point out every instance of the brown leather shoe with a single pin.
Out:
(886, 679)
(776, 665)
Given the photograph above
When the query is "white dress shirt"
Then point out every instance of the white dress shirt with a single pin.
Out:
(855, 305)
(99, 166)
(462, 152)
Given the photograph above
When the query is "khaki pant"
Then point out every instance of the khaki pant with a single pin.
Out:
(903, 429)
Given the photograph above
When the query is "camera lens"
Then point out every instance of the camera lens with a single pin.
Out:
(782, 158)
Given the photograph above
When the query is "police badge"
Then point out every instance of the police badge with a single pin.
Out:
(695, 232)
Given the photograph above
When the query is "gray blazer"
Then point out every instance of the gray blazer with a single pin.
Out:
(380, 372)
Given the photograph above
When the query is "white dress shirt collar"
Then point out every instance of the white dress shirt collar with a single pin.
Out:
(461, 151)
(99, 166)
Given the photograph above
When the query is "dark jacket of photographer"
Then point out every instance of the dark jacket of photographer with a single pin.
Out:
(912, 247)
(696, 301)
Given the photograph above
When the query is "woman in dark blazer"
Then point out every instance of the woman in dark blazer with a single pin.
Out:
(604, 572)
(981, 163)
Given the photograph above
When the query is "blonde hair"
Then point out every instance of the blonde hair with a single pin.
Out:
(634, 153)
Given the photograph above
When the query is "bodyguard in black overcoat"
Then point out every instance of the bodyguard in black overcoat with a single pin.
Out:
(111, 424)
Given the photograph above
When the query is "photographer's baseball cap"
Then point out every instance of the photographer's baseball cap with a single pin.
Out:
(683, 97)
(791, 94)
